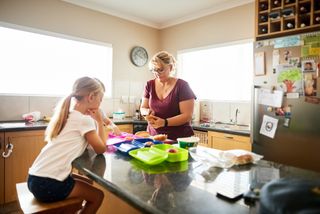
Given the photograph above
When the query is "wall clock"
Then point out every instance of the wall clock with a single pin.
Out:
(139, 56)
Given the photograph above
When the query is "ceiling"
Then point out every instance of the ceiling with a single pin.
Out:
(159, 13)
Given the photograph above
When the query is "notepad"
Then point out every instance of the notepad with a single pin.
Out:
(232, 185)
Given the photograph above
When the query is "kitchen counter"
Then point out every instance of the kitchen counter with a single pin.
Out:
(183, 187)
(222, 127)
(226, 128)
(22, 126)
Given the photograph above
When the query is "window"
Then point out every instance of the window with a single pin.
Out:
(39, 64)
(219, 73)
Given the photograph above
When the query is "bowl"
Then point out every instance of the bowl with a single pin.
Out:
(188, 142)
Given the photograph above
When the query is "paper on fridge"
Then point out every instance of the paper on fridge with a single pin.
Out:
(269, 126)
(275, 58)
(270, 97)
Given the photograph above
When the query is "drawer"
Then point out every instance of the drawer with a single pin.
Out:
(228, 136)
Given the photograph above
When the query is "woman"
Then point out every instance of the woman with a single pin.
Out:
(168, 100)
(71, 129)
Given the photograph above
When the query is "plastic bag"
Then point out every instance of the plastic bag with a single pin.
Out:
(32, 116)
(217, 158)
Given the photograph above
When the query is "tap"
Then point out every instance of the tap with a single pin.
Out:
(236, 117)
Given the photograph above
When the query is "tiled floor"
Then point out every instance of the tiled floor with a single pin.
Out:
(10, 208)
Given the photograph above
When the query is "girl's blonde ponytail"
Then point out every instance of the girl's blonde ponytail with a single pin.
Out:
(59, 118)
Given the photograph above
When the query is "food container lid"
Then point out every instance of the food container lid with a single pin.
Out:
(150, 156)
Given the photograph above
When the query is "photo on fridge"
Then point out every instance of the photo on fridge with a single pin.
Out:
(308, 66)
(310, 84)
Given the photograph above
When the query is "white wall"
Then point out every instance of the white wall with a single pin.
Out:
(64, 18)
(227, 26)
(128, 80)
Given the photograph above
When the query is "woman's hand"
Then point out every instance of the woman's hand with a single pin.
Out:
(156, 122)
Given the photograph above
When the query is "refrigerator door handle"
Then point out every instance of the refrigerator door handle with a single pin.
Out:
(254, 106)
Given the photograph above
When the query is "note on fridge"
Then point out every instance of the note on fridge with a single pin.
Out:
(259, 64)
(269, 126)
(275, 58)
(270, 97)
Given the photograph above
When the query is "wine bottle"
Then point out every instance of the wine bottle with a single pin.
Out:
(290, 25)
(302, 24)
(303, 9)
(276, 3)
(263, 6)
(263, 18)
(317, 19)
(287, 12)
(264, 30)
(287, 1)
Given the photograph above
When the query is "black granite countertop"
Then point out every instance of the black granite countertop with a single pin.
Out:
(183, 187)
(222, 127)
(23, 126)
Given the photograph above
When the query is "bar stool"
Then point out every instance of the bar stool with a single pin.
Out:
(29, 204)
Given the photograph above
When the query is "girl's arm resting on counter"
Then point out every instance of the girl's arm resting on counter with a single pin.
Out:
(97, 139)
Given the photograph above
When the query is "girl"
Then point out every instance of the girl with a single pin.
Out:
(68, 135)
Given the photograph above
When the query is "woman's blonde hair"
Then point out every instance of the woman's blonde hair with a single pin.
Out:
(81, 88)
(163, 58)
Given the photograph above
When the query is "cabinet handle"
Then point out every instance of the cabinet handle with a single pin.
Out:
(9, 148)
(229, 137)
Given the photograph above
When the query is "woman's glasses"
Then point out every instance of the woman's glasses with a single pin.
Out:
(159, 71)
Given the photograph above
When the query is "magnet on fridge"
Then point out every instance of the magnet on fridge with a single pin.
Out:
(286, 122)
(287, 114)
(269, 109)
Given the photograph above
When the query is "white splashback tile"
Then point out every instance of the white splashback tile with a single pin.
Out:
(136, 89)
(45, 105)
(221, 112)
(244, 112)
(13, 107)
(121, 88)
(107, 106)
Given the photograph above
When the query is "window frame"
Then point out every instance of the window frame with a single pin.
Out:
(108, 85)
(218, 45)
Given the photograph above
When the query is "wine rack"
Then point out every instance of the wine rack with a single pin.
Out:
(276, 18)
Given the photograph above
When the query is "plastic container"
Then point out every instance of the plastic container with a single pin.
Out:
(175, 154)
(164, 167)
(150, 156)
(141, 142)
(125, 147)
(119, 115)
(123, 137)
(188, 142)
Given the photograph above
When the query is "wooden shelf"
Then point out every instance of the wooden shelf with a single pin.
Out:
(303, 20)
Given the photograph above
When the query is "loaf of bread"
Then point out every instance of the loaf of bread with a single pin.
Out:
(243, 159)
(142, 134)
(160, 137)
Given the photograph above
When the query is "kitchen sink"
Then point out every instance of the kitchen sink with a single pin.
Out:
(226, 126)
(235, 127)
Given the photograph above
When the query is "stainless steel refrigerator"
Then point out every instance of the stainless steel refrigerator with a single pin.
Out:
(296, 140)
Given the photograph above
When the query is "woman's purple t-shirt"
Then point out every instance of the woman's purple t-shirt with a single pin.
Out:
(169, 107)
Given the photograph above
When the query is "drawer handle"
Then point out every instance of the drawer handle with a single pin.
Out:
(9, 148)
(229, 137)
